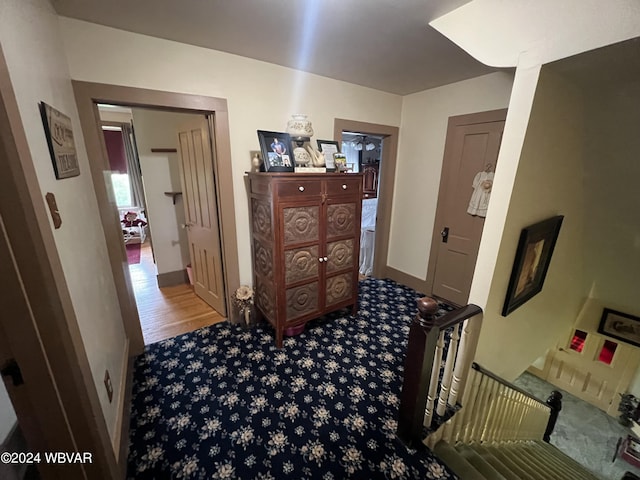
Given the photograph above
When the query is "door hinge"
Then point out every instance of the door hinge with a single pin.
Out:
(11, 369)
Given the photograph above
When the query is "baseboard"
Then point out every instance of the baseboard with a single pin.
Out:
(406, 279)
(170, 279)
(123, 451)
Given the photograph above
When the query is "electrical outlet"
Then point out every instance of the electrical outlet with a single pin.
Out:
(108, 385)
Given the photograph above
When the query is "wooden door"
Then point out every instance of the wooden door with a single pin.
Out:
(472, 146)
(594, 368)
(201, 213)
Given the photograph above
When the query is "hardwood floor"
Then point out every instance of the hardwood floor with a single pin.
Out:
(170, 311)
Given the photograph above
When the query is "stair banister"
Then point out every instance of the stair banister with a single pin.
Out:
(421, 368)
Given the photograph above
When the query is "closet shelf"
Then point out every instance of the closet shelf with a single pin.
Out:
(173, 195)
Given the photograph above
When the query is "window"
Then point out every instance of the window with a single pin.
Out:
(607, 352)
(577, 342)
(121, 189)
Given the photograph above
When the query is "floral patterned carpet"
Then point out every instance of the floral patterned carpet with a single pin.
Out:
(223, 403)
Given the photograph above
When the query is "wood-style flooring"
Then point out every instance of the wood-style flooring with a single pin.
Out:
(170, 311)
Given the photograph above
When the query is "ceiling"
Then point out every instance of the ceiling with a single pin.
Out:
(387, 45)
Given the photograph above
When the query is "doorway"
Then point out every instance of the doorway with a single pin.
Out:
(470, 156)
(364, 155)
(88, 95)
(380, 224)
(147, 177)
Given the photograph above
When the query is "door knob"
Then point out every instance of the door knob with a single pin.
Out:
(445, 235)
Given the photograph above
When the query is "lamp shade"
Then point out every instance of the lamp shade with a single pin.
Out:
(299, 126)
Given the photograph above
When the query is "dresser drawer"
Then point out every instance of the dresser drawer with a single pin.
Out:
(298, 188)
(344, 186)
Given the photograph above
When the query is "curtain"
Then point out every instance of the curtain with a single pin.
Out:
(133, 167)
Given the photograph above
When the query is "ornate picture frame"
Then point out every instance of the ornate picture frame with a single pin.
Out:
(277, 155)
(531, 263)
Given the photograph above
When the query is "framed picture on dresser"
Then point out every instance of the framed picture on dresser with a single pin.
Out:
(276, 151)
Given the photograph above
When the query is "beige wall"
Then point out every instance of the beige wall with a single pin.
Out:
(421, 147)
(548, 182)
(260, 95)
(612, 182)
(161, 173)
(30, 38)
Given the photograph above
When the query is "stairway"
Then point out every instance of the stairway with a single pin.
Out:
(516, 460)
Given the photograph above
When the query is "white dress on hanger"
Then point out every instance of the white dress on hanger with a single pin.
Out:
(479, 202)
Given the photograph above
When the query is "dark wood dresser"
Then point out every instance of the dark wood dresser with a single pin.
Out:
(305, 238)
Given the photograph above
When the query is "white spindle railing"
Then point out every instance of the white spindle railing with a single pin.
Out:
(423, 394)
(447, 376)
(433, 385)
(494, 411)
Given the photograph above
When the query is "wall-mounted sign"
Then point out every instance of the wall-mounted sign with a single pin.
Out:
(57, 128)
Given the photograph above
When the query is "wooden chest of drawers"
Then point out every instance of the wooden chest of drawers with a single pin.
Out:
(305, 235)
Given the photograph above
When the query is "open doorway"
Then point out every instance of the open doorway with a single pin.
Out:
(372, 149)
(147, 182)
(213, 113)
(364, 155)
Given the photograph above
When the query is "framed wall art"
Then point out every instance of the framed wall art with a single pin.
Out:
(57, 128)
(620, 325)
(531, 263)
(276, 151)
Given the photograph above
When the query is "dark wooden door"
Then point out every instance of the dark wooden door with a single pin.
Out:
(471, 148)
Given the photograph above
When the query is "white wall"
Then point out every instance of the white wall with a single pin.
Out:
(496, 32)
(421, 148)
(549, 182)
(260, 95)
(161, 173)
(30, 38)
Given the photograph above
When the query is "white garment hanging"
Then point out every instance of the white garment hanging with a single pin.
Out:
(479, 202)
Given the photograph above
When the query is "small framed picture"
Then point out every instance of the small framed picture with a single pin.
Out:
(530, 266)
(620, 325)
(328, 149)
(276, 151)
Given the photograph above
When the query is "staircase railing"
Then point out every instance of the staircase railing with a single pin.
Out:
(495, 410)
(428, 385)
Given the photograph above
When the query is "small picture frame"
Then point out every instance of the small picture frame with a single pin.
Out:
(328, 148)
(276, 151)
(620, 325)
(530, 266)
(62, 147)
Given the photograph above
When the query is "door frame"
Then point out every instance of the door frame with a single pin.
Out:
(44, 334)
(88, 95)
(499, 115)
(387, 175)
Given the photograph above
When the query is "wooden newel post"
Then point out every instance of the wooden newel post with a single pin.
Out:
(423, 337)
(555, 403)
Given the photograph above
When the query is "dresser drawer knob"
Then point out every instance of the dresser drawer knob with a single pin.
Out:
(344, 186)
(321, 259)
(326, 259)
(301, 188)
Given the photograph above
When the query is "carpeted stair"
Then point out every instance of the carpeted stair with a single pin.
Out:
(523, 460)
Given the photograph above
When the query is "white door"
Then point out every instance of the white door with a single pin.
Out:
(201, 213)
(594, 368)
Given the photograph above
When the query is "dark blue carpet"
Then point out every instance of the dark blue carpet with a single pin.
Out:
(223, 403)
